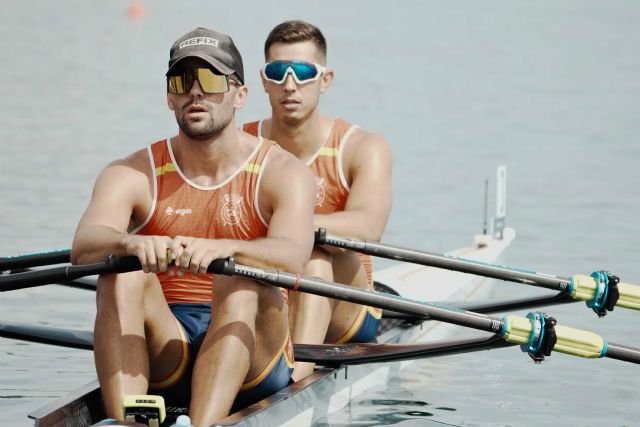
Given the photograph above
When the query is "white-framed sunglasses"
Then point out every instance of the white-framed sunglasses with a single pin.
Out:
(302, 72)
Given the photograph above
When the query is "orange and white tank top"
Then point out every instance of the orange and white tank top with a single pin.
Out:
(332, 188)
(228, 210)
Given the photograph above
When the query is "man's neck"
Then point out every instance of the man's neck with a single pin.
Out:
(212, 161)
(302, 139)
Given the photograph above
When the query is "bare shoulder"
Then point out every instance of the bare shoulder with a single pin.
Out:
(287, 183)
(131, 174)
(134, 164)
(369, 146)
(122, 191)
(283, 165)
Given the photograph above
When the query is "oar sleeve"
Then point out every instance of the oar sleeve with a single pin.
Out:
(629, 296)
(585, 287)
(518, 330)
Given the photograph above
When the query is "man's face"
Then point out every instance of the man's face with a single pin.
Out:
(292, 101)
(202, 115)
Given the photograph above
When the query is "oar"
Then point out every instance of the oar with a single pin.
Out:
(327, 355)
(24, 262)
(601, 291)
(486, 307)
(34, 259)
(84, 283)
(324, 354)
(477, 306)
(537, 333)
(47, 335)
(66, 273)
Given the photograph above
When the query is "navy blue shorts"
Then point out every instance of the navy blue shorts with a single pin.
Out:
(368, 329)
(364, 327)
(194, 322)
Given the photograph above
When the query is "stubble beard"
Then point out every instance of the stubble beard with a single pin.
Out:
(209, 128)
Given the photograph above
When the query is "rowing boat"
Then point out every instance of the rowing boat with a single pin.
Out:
(330, 388)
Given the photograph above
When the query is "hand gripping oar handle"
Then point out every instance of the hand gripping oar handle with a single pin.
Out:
(601, 291)
(111, 264)
(516, 330)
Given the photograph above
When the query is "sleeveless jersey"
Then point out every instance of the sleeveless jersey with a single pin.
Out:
(228, 210)
(332, 189)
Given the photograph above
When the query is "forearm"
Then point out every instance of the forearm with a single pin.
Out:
(354, 224)
(350, 224)
(92, 243)
(272, 252)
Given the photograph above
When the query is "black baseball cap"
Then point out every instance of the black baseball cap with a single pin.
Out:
(215, 48)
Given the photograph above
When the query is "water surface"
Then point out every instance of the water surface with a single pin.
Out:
(549, 89)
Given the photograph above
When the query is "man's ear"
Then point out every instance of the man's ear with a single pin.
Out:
(325, 80)
(169, 102)
(264, 82)
(241, 96)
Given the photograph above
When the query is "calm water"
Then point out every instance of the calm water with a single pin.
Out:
(550, 89)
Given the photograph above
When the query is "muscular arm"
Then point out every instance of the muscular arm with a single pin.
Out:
(368, 163)
(287, 197)
(121, 189)
(289, 189)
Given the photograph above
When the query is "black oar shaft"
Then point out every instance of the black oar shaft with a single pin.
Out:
(354, 354)
(34, 259)
(350, 294)
(493, 306)
(66, 273)
(35, 278)
(450, 263)
(624, 353)
(324, 354)
(47, 335)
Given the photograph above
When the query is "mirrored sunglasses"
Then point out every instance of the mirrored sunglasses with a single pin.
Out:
(302, 72)
(210, 82)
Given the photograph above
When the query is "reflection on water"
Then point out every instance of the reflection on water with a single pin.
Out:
(384, 411)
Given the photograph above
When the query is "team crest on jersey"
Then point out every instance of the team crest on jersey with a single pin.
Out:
(232, 209)
(320, 193)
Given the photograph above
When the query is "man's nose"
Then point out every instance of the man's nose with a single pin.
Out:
(289, 82)
(196, 90)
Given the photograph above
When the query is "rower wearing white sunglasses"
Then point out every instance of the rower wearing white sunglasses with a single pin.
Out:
(353, 182)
